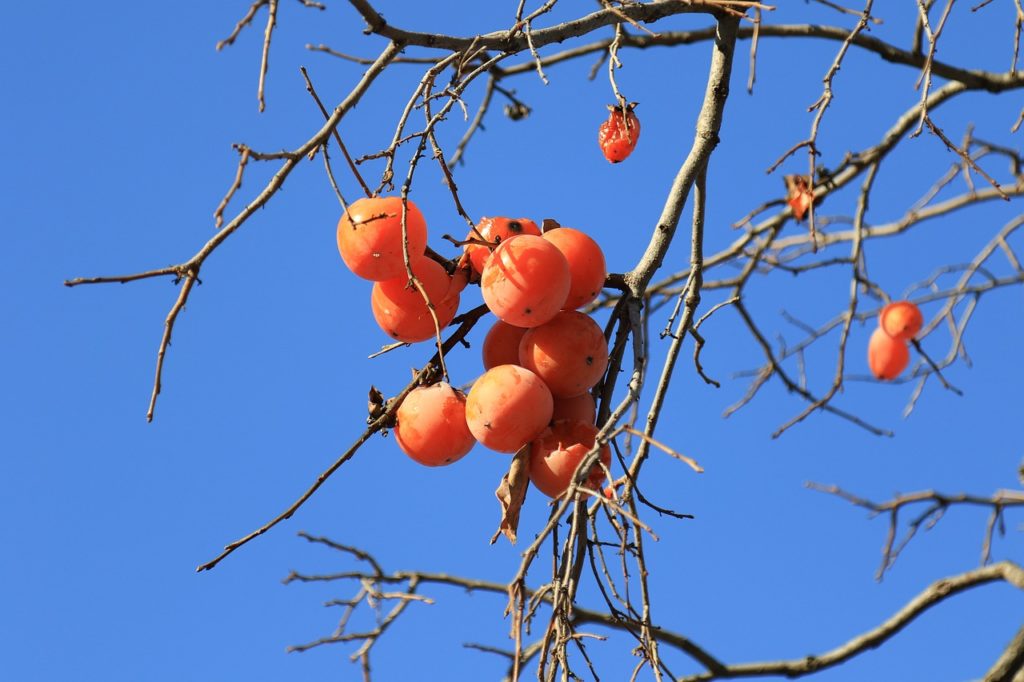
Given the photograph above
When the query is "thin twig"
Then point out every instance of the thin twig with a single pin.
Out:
(265, 58)
(243, 158)
(337, 136)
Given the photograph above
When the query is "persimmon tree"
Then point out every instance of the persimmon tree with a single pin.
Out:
(596, 579)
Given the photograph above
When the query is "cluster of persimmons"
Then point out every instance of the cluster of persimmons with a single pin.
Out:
(888, 354)
(542, 356)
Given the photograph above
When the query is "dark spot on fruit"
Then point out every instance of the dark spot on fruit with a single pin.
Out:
(590, 359)
(515, 226)
(528, 311)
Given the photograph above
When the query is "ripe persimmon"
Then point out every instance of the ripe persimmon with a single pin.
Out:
(370, 237)
(495, 230)
(501, 345)
(449, 305)
(399, 307)
(887, 357)
(431, 425)
(578, 408)
(618, 135)
(556, 453)
(460, 279)
(586, 265)
(901, 320)
(508, 407)
(569, 353)
(526, 281)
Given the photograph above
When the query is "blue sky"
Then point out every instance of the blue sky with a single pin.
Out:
(117, 132)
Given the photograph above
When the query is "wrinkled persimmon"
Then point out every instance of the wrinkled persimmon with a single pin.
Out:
(569, 353)
(501, 345)
(431, 425)
(556, 453)
(587, 268)
(370, 237)
(495, 231)
(508, 407)
(901, 320)
(618, 135)
(887, 357)
(526, 281)
(400, 309)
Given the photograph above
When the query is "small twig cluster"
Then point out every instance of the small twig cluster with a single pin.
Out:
(374, 588)
(934, 506)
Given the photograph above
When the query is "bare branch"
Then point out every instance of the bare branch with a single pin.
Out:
(935, 594)
(935, 504)
(243, 158)
(190, 279)
(1010, 665)
(242, 23)
(376, 425)
(264, 60)
(291, 160)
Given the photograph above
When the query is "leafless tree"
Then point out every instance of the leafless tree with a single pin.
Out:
(604, 543)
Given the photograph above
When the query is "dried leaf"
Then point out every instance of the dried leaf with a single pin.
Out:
(510, 493)
(517, 111)
(375, 404)
(549, 224)
(798, 195)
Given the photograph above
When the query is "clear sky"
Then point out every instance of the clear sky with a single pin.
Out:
(117, 124)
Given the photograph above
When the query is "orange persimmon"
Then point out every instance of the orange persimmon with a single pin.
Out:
(578, 408)
(887, 357)
(370, 237)
(901, 320)
(587, 268)
(618, 135)
(526, 281)
(508, 407)
(495, 230)
(501, 345)
(399, 307)
(431, 425)
(569, 353)
(556, 453)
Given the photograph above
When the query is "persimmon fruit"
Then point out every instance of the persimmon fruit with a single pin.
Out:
(431, 425)
(370, 237)
(887, 357)
(901, 320)
(399, 307)
(525, 281)
(501, 345)
(569, 353)
(618, 135)
(508, 407)
(556, 453)
(587, 270)
(578, 408)
(495, 230)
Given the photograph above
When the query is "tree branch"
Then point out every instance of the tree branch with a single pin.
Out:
(935, 594)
